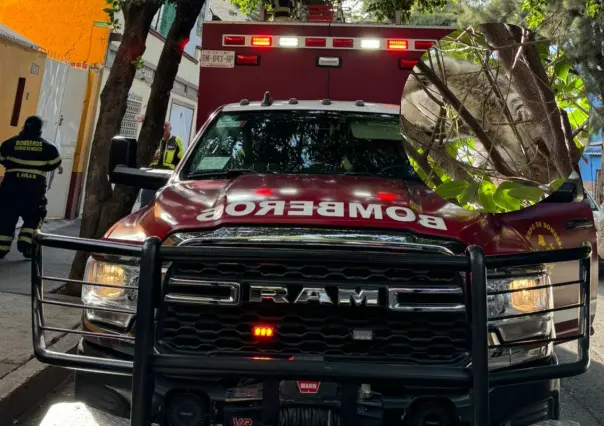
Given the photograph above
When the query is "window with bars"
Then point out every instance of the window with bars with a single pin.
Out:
(129, 127)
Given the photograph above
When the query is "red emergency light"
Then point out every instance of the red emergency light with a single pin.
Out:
(263, 331)
(247, 60)
(264, 191)
(262, 41)
(343, 42)
(407, 64)
(234, 40)
(386, 196)
(423, 45)
(315, 42)
(398, 44)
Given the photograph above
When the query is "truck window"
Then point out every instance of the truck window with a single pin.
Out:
(303, 142)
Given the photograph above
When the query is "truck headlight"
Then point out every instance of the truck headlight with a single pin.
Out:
(519, 304)
(115, 274)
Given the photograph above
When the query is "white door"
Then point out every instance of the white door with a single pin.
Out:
(181, 119)
(60, 106)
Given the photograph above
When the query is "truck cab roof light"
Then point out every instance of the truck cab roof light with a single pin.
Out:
(359, 103)
(288, 41)
(398, 44)
(247, 60)
(328, 61)
(293, 101)
(234, 40)
(315, 42)
(244, 102)
(423, 44)
(370, 43)
(262, 41)
(267, 100)
(343, 43)
(326, 101)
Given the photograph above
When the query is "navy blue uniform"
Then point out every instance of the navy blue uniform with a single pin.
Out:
(22, 192)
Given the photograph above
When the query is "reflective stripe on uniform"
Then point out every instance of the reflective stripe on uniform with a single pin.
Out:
(6, 238)
(4, 248)
(33, 171)
(25, 239)
(33, 163)
(27, 230)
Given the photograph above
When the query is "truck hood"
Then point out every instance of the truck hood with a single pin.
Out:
(344, 202)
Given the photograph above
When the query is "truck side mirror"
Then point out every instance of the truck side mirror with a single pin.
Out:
(123, 170)
(122, 152)
(569, 192)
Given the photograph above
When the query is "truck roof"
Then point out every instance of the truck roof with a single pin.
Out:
(307, 61)
(316, 105)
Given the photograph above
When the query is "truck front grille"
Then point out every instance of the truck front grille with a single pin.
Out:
(431, 326)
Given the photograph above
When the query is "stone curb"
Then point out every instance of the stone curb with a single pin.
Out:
(30, 383)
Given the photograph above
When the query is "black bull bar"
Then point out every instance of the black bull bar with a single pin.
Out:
(148, 364)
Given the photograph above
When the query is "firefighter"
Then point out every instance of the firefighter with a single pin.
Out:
(27, 159)
(167, 156)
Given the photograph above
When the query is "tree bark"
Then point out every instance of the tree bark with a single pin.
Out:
(102, 205)
(187, 12)
(528, 77)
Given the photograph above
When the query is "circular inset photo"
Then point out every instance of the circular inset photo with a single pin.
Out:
(494, 118)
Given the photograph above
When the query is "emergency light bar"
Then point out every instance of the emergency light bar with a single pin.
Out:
(348, 43)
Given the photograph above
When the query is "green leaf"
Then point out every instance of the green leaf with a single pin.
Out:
(526, 193)
(485, 195)
(503, 199)
(557, 184)
(469, 194)
(452, 189)
(561, 68)
(577, 117)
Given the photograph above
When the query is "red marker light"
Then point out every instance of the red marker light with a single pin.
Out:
(246, 60)
(262, 331)
(315, 42)
(386, 196)
(264, 191)
(234, 40)
(343, 42)
(262, 41)
(423, 45)
(407, 64)
(398, 44)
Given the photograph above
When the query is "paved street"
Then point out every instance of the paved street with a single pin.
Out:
(56, 262)
(582, 396)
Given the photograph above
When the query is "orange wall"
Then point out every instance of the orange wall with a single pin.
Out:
(64, 28)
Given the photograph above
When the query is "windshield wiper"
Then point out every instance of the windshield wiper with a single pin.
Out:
(227, 174)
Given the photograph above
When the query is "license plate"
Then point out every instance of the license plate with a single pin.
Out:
(217, 59)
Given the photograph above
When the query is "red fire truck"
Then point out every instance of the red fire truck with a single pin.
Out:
(294, 270)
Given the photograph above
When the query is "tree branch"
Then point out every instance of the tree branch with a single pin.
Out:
(468, 118)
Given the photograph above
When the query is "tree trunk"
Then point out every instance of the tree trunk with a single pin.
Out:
(528, 77)
(187, 12)
(101, 204)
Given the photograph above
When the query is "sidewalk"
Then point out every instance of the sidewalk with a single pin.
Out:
(23, 379)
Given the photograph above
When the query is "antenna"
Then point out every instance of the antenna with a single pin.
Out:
(267, 100)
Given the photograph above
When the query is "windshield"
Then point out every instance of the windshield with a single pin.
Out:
(302, 142)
